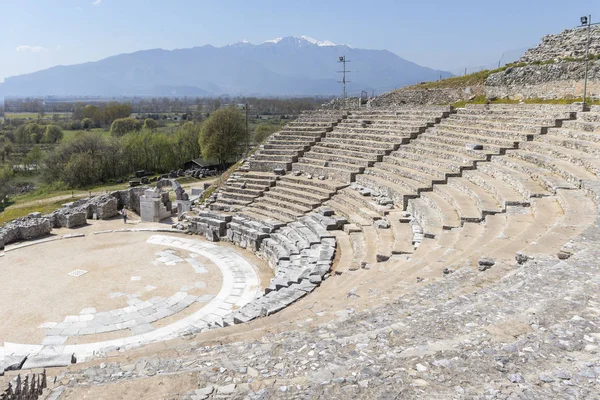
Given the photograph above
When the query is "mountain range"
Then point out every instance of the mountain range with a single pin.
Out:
(287, 66)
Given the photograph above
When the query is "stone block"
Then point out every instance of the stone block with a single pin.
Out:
(49, 360)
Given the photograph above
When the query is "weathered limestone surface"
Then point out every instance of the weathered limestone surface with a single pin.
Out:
(27, 228)
(550, 81)
(568, 43)
(426, 96)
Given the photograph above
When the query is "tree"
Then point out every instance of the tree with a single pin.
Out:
(150, 124)
(263, 131)
(222, 134)
(87, 123)
(33, 158)
(53, 134)
(122, 126)
(6, 174)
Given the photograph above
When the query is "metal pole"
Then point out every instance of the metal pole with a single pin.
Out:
(587, 50)
(247, 133)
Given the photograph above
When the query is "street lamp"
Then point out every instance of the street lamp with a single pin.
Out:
(586, 21)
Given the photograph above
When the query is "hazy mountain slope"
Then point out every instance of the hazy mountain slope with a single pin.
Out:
(287, 66)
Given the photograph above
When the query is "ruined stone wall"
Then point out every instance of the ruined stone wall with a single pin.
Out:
(568, 43)
(550, 81)
(426, 96)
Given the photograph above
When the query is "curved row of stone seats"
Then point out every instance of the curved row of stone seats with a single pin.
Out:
(300, 253)
(284, 147)
(291, 197)
(455, 145)
(364, 138)
(387, 231)
(241, 189)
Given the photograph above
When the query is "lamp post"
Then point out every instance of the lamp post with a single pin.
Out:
(586, 21)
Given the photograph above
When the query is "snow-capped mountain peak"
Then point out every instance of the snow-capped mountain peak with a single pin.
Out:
(303, 39)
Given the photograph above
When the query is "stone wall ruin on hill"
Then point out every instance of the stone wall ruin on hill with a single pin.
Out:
(549, 81)
(568, 43)
(426, 96)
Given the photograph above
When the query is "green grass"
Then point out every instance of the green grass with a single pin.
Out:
(69, 134)
(17, 212)
(483, 100)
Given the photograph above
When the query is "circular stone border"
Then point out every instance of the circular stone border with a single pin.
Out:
(240, 285)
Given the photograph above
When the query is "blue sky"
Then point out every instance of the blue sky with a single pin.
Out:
(451, 35)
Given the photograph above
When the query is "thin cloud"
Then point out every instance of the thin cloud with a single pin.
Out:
(25, 48)
(97, 2)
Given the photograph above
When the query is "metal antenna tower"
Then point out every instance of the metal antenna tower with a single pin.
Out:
(343, 60)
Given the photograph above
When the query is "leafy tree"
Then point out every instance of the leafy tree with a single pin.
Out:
(81, 170)
(222, 134)
(263, 131)
(30, 133)
(33, 158)
(6, 174)
(92, 112)
(53, 134)
(150, 124)
(87, 123)
(122, 126)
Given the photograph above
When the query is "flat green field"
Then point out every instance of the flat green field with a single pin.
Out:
(69, 134)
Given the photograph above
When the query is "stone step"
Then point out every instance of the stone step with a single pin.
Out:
(589, 116)
(553, 108)
(580, 125)
(415, 174)
(407, 119)
(481, 155)
(570, 172)
(394, 132)
(400, 190)
(439, 132)
(521, 182)
(509, 118)
(440, 171)
(487, 203)
(403, 234)
(304, 188)
(280, 151)
(492, 113)
(366, 202)
(324, 185)
(503, 192)
(341, 208)
(368, 155)
(338, 174)
(232, 194)
(357, 206)
(353, 148)
(445, 211)
(259, 214)
(381, 126)
(488, 146)
(473, 129)
(315, 160)
(297, 139)
(588, 142)
(275, 157)
(389, 138)
(310, 135)
(434, 153)
(427, 219)
(493, 125)
(338, 157)
(259, 165)
(543, 177)
(590, 162)
(365, 143)
(467, 208)
(277, 209)
(303, 198)
(431, 164)
(303, 128)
